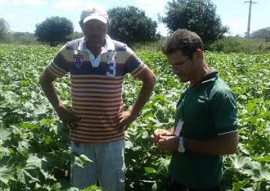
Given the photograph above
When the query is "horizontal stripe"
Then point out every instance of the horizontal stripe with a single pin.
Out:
(107, 81)
(107, 139)
(97, 77)
(96, 90)
(96, 108)
(95, 137)
(97, 133)
(57, 68)
(96, 86)
(104, 95)
(96, 125)
(96, 99)
(100, 130)
(88, 123)
(110, 111)
(95, 116)
(55, 72)
(137, 72)
(98, 113)
(78, 95)
(97, 104)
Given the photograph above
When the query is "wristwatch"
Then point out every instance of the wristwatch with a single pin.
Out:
(181, 147)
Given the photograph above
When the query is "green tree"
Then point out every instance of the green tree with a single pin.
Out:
(131, 25)
(4, 29)
(195, 15)
(262, 33)
(23, 38)
(76, 35)
(54, 30)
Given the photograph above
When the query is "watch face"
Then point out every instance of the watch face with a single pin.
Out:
(181, 149)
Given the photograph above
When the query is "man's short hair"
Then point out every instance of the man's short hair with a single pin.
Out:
(182, 39)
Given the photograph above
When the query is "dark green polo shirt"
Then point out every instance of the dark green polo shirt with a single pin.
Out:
(208, 109)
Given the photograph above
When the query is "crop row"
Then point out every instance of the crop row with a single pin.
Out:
(34, 146)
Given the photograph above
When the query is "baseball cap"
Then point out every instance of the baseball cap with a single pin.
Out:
(94, 12)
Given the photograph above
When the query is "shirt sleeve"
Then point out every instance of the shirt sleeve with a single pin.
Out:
(224, 111)
(134, 65)
(59, 65)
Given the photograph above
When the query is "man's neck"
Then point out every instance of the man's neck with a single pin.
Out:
(95, 49)
(199, 75)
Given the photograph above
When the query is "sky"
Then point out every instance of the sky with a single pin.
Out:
(23, 15)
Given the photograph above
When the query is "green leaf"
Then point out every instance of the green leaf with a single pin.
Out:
(128, 144)
(5, 174)
(82, 160)
(24, 176)
(263, 159)
(240, 162)
(33, 162)
(266, 175)
(29, 126)
(145, 135)
(47, 175)
(149, 170)
(4, 134)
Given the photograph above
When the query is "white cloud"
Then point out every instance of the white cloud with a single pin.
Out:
(236, 26)
(11, 16)
(73, 4)
(67, 4)
(152, 7)
(2, 2)
(162, 29)
(28, 2)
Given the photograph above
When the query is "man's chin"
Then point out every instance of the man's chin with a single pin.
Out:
(182, 79)
(96, 42)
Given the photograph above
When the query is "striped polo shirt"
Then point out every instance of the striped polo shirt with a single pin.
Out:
(96, 86)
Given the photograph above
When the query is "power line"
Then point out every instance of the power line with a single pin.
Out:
(249, 16)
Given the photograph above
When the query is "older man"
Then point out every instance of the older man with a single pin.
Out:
(97, 65)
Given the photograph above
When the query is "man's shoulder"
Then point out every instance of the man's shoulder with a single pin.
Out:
(221, 85)
(73, 44)
(221, 89)
(119, 46)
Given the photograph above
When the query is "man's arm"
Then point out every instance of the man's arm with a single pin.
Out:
(220, 145)
(148, 81)
(46, 82)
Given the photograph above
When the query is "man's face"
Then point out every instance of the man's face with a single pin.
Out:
(182, 65)
(95, 32)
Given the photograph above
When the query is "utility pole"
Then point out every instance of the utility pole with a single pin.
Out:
(249, 16)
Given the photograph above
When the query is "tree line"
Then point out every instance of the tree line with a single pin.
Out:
(131, 25)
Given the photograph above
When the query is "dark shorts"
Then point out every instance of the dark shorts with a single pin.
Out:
(175, 186)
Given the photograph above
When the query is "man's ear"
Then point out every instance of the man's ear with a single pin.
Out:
(197, 56)
(198, 53)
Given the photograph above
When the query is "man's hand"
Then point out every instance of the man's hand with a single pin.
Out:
(165, 140)
(158, 133)
(168, 143)
(123, 120)
(68, 117)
